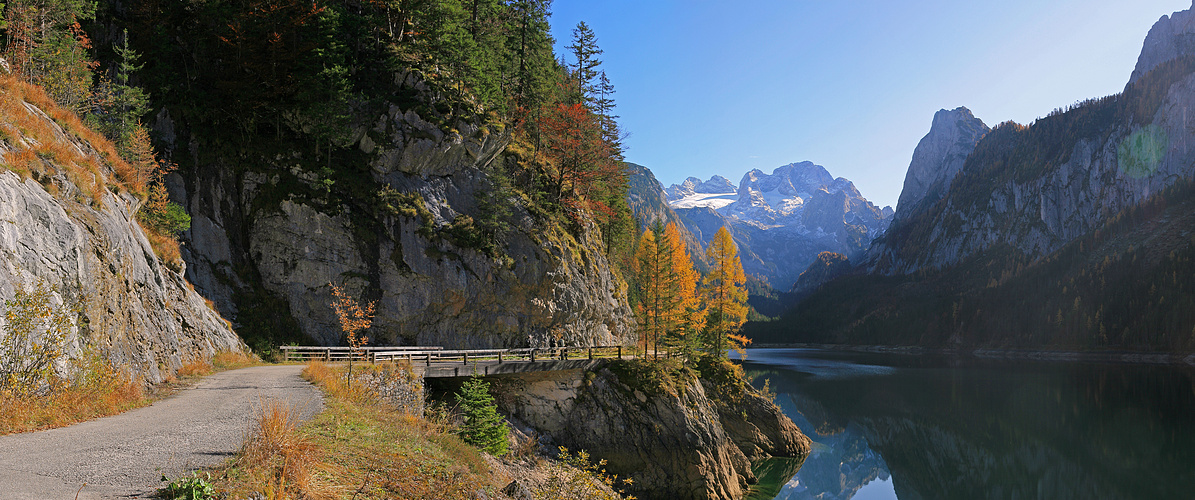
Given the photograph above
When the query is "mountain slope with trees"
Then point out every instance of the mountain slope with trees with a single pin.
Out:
(433, 156)
(1071, 232)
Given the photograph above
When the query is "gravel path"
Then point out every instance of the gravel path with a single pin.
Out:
(124, 456)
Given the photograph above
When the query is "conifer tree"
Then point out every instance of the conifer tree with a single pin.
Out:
(726, 296)
(683, 319)
(483, 427)
(650, 266)
(585, 50)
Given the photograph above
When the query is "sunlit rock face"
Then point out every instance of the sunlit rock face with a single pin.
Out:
(682, 438)
(939, 157)
(781, 221)
(124, 302)
(1169, 38)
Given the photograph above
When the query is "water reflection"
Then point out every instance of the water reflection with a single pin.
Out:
(914, 427)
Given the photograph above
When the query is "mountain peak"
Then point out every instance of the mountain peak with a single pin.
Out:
(940, 156)
(1172, 36)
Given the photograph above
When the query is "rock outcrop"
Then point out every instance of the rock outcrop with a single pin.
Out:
(939, 157)
(407, 236)
(827, 266)
(1169, 38)
(90, 251)
(676, 436)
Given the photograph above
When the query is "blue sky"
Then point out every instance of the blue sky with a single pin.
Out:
(712, 87)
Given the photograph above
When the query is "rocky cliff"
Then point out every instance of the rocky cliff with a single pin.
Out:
(412, 217)
(1062, 233)
(781, 221)
(675, 435)
(649, 205)
(939, 157)
(1169, 38)
(74, 229)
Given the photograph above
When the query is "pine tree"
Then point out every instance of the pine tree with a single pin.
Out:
(483, 427)
(726, 296)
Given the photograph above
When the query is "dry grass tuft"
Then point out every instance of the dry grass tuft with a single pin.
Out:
(232, 360)
(165, 247)
(197, 368)
(98, 390)
(281, 458)
(361, 449)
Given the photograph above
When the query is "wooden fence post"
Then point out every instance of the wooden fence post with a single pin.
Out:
(533, 355)
(619, 352)
(465, 357)
(499, 357)
(590, 352)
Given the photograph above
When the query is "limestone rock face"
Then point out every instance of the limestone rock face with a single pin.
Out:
(939, 157)
(675, 442)
(99, 264)
(1169, 38)
(402, 239)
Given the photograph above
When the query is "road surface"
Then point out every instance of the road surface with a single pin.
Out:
(125, 456)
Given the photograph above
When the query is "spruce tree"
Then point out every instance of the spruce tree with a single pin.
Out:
(483, 427)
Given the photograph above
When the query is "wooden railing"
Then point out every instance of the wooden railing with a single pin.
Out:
(307, 353)
(428, 355)
(500, 356)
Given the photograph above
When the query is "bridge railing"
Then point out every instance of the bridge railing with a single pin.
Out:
(428, 355)
(500, 356)
(308, 353)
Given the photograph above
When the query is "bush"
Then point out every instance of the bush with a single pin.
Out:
(483, 427)
(34, 336)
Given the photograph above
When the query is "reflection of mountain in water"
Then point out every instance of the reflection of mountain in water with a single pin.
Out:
(841, 461)
(996, 431)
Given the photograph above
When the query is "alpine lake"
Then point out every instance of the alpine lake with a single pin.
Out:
(888, 426)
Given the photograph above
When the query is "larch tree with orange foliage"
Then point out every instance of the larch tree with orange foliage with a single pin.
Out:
(650, 265)
(354, 320)
(668, 305)
(725, 296)
(684, 318)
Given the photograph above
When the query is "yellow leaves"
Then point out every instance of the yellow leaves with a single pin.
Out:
(353, 318)
(668, 305)
(726, 294)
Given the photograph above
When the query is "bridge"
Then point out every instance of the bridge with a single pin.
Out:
(437, 362)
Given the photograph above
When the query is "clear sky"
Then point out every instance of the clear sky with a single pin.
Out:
(710, 87)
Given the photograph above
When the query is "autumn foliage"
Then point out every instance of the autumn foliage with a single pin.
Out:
(354, 320)
(726, 295)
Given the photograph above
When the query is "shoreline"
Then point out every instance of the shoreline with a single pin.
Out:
(1128, 357)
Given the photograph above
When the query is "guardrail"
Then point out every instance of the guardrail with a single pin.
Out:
(307, 353)
(427, 355)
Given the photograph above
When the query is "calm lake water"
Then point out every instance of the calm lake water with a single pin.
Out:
(914, 427)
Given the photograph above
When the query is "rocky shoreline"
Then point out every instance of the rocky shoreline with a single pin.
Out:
(676, 431)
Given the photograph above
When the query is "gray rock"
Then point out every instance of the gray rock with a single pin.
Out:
(939, 157)
(1169, 38)
(545, 286)
(129, 306)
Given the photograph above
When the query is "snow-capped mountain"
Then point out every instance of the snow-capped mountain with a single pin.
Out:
(782, 220)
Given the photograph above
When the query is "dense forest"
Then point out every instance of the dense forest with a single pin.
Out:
(250, 82)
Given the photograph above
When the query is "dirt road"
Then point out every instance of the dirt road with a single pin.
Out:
(124, 456)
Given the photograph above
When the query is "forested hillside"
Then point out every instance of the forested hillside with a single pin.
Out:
(429, 155)
(1072, 232)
